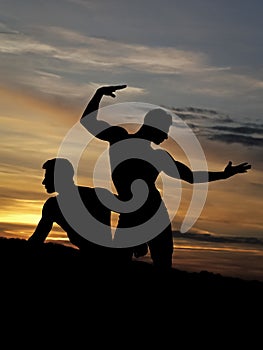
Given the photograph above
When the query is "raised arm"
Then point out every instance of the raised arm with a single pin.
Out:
(98, 128)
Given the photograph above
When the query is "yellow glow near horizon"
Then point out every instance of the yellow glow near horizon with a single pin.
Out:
(20, 218)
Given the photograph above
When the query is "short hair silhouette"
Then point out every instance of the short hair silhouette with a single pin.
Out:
(157, 118)
(62, 166)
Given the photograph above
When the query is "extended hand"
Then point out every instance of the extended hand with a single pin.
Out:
(231, 170)
(109, 90)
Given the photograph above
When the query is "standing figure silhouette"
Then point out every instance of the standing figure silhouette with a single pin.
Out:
(140, 161)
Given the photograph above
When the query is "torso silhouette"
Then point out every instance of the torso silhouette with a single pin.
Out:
(54, 210)
(133, 158)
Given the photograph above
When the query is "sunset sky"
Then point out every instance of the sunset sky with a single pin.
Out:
(201, 59)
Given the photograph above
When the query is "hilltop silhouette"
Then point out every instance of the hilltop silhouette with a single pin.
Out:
(57, 267)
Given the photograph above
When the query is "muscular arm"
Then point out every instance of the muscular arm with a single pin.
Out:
(41, 232)
(179, 170)
(44, 226)
(229, 171)
(99, 128)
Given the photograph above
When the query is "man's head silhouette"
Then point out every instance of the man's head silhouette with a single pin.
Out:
(59, 173)
(156, 125)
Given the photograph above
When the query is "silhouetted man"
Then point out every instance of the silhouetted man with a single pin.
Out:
(77, 210)
(132, 157)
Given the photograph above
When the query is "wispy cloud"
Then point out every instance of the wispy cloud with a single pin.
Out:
(55, 61)
(99, 53)
(4, 29)
(219, 239)
(108, 54)
(105, 54)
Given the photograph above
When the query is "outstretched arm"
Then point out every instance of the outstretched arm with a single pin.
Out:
(203, 176)
(89, 117)
(229, 171)
(179, 170)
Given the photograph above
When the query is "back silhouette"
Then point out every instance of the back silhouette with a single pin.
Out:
(132, 157)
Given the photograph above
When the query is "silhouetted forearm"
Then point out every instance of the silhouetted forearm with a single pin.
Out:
(208, 176)
(229, 171)
(89, 117)
(41, 232)
(177, 169)
(93, 105)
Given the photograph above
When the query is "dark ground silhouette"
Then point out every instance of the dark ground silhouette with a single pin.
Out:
(47, 292)
(49, 296)
(56, 267)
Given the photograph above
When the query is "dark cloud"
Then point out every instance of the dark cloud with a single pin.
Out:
(202, 122)
(200, 113)
(212, 238)
(233, 138)
(240, 129)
